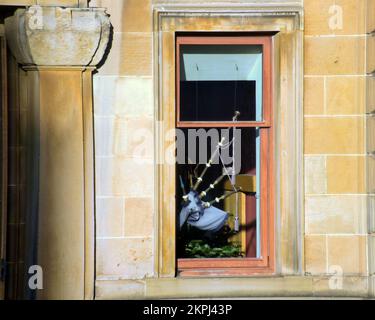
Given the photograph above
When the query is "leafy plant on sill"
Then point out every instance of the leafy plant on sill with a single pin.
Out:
(200, 249)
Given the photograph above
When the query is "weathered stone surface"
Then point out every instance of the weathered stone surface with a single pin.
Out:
(298, 286)
(346, 174)
(343, 214)
(226, 2)
(123, 14)
(371, 286)
(130, 55)
(53, 36)
(370, 163)
(346, 95)
(314, 96)
(63, 3)
(334, 135)
(370, 130)
(120, 136)
(370, 47)
(338, 17)
(348, 253)
(345, 286)
(129, 258)
(123, 96)
(139, 217)
(134, 137)
(110, 217)
(371, 213)
(315, 175)
(316, 254)
(370, 16)
(334, 55)
(103, 136)
(229, 287)
(371, 248)
(120, 289)
(60, 182)
(370, 94)
(122, 176)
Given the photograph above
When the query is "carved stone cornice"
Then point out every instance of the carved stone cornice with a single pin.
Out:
(271, 9)
(54, 36)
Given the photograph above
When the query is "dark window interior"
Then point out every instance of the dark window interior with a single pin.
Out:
(217, 100)
(246, 237)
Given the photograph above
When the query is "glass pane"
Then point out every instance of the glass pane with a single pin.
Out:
(228, 228)
(217, 80)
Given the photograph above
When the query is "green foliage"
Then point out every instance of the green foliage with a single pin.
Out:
(200, 249)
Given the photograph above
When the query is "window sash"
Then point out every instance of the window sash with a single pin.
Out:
(266, 43)
(191, 266)
(240, 266)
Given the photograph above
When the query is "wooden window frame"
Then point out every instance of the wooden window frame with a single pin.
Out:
(265, 264)
(265, 42)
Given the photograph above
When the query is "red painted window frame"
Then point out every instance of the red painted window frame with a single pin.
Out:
(244, 266)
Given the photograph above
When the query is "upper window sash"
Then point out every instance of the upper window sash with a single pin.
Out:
(263, 41)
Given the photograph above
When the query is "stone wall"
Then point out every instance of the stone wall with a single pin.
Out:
(62, 3)
(123, 98)
(335, 152)
(336, 208)
(370, 139)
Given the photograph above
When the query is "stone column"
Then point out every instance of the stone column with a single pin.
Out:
(59, 49)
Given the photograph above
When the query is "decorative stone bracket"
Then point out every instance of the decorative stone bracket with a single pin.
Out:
(53, 36)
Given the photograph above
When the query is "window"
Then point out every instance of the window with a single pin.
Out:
(224, 171)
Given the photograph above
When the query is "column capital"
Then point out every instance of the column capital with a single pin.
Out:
(58, 37)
